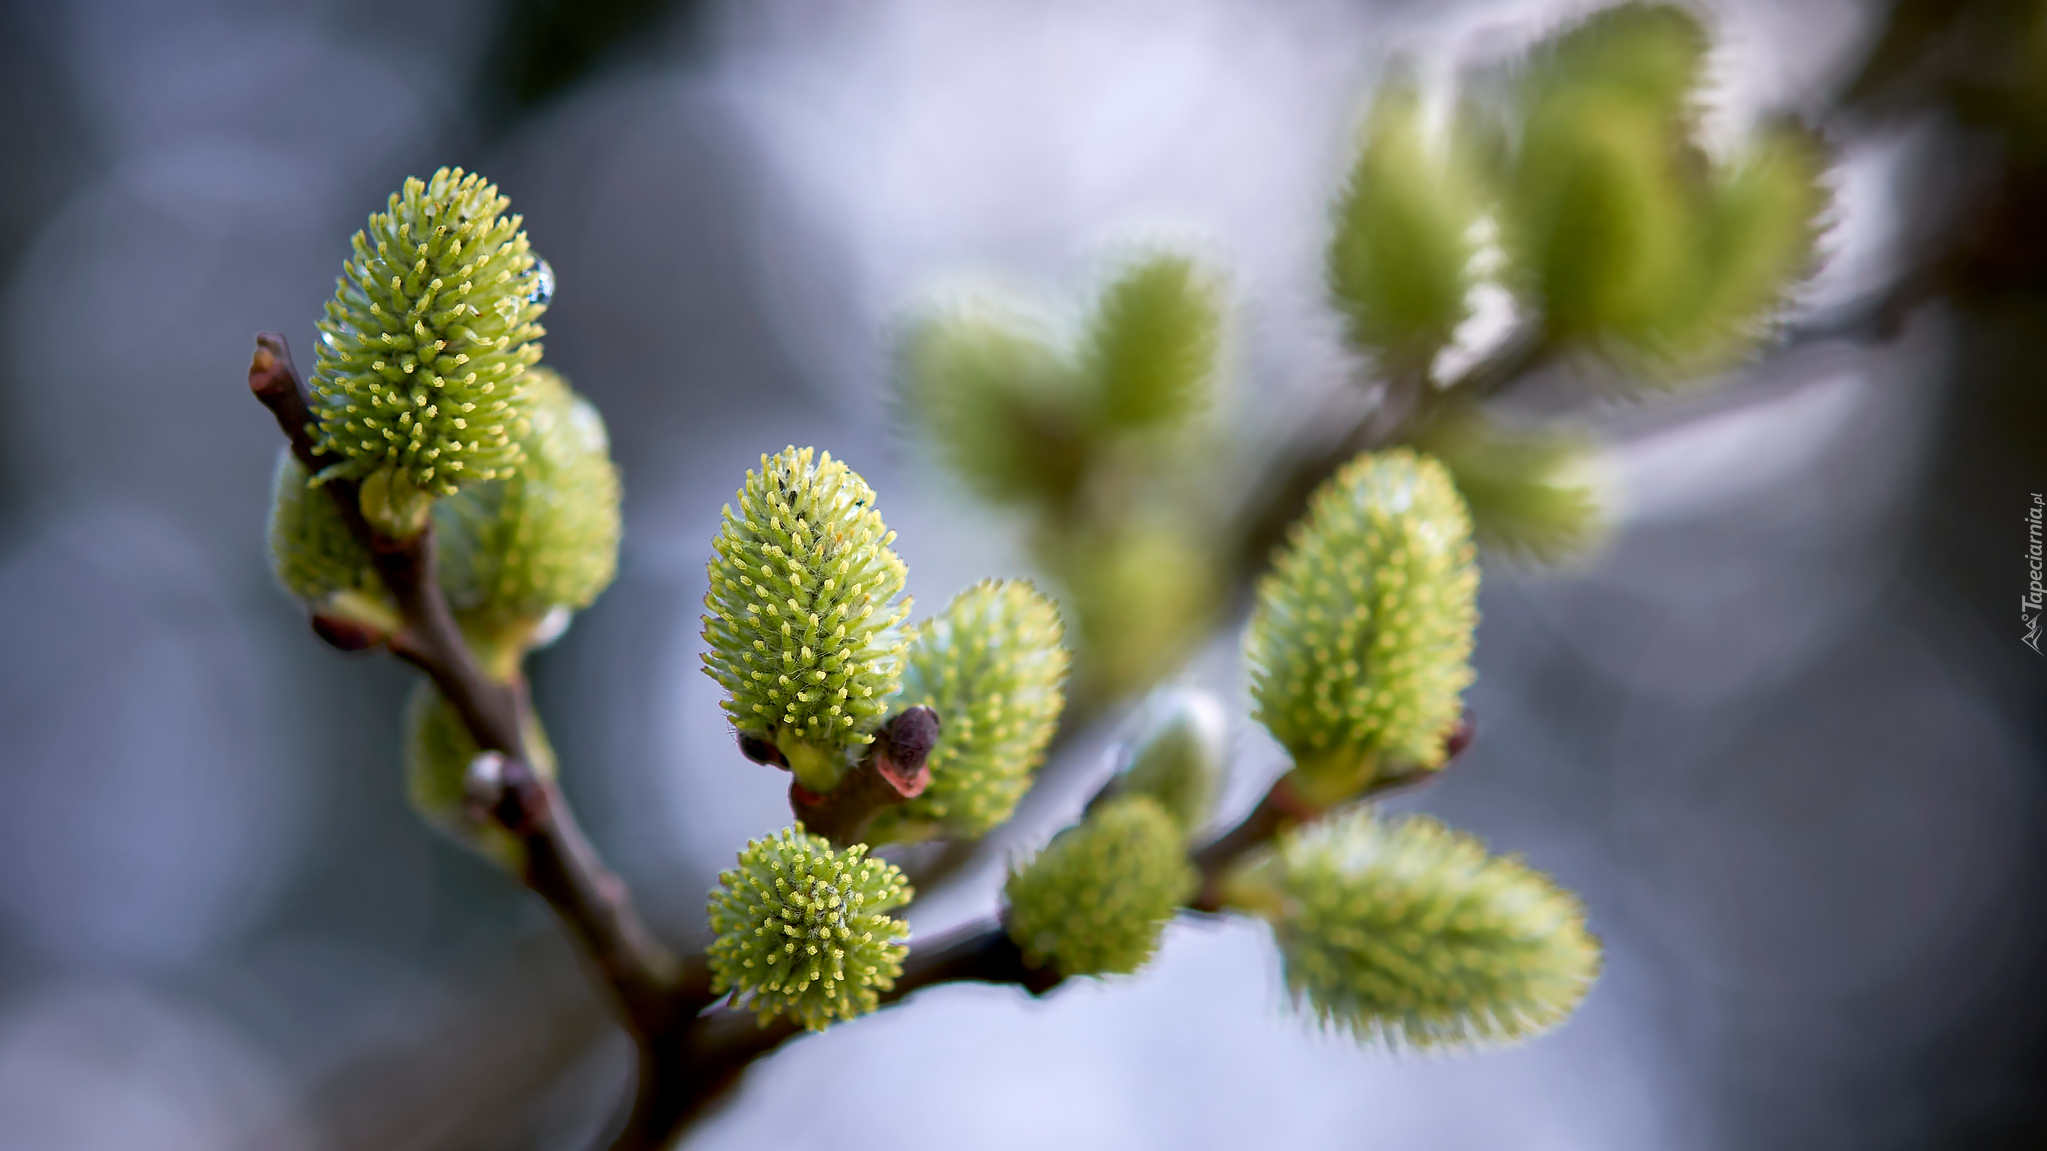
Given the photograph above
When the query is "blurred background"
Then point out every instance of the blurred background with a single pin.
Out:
(1781, 733)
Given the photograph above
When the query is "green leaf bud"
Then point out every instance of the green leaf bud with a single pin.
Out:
(438, 752)
(1360, 638)
(1153, 345)
(1408, 932)
(1399, 264)
(1002, 406)
(802, 618)
(419, 389)
(1177, 757)
(543, 539)
(804, 931)
(993, 668)
(315, 555)
(1532, 494)
(1096, 900)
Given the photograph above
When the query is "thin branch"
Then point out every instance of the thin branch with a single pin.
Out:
(653, 993)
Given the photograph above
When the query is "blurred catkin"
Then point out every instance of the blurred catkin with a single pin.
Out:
(544, 539)
(1408, 932)
(1096, 900)
(1399, 260)
(1176, 758)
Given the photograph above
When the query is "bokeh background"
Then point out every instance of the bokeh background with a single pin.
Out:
(1781, 733)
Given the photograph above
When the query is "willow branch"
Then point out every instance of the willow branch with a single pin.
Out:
(654, 994)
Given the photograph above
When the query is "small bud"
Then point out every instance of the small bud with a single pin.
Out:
(1360, 638)
(393, 504)
(802, 617)
(423, 352)
(991, 667)
(1153, 345)
(344, 634)
(1177, 757)
(762, 751)
(803, 930)
(454, 786)
(902, 750)
(542, 543)
(1096, 900)
(1408, 932)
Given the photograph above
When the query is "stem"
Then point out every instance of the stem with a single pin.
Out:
(645, 982)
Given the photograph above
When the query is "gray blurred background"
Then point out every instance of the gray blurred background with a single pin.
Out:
(1781, 733)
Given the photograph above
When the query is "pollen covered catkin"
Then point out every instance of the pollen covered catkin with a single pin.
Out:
(418, 390)
(993, 667)
(802, 618)
(803, 930)
(1360, 639)
(1409, 932)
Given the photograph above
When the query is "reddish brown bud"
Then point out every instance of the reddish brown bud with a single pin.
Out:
(345, 634)
(902, 747)
(761, 749)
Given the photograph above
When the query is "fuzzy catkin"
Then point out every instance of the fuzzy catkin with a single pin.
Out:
(312, 551)
(546, 537)
(1152, 347)
(1410, 933)
(1399, 258)
(993, 667)
(1360, 640)
(803, 930)
(802, 619)
(418, 388)
(1096, 900)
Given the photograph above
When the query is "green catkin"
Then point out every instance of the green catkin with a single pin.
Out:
(1152, 347)
(802, 619)
(418, 390)
(1096, 900)
(313, 553)
(1534, 494)
(1360, 639)
(546, 538)
(1004, 409)
(1177, 757)
(1617, 224)
(803, 930)
(993, 668)
(1399, 261)
(1409, 933)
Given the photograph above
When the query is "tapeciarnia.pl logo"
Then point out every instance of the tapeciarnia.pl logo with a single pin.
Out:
(2036, 596)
